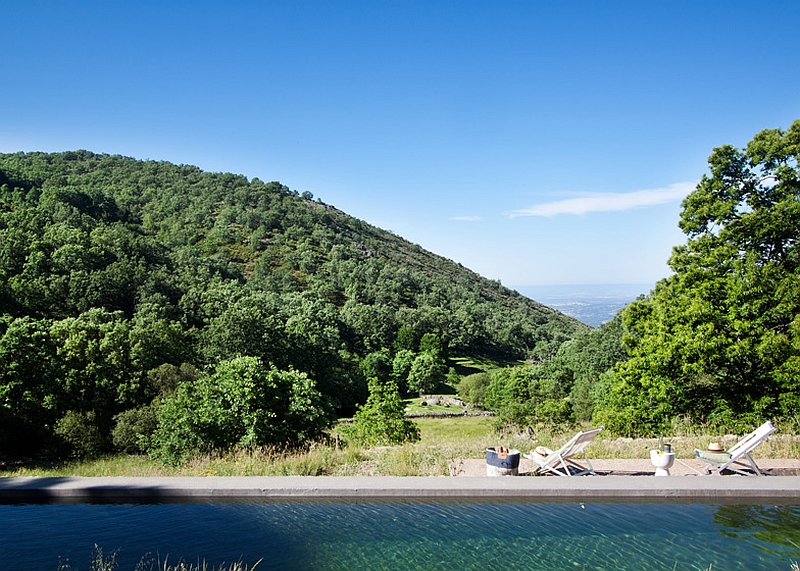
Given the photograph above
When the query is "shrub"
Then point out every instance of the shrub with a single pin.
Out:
(80, 433)
(133, 428)
(242, 403)
(472, 388)
(381, 420)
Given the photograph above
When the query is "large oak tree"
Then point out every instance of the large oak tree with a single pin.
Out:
(719, 341)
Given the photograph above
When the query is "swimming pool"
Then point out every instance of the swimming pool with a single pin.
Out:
(407, 536)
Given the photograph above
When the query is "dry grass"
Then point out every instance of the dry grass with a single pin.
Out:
(102, 562)
(121, 465)
(444, 444)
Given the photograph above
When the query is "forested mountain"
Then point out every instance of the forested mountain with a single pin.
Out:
(119, 278)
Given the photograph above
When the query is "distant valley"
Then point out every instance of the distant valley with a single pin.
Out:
(592, 304)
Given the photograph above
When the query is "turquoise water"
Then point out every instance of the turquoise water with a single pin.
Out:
(407, 536)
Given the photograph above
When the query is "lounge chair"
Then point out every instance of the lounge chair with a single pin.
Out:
(734, 458)
(560, 462)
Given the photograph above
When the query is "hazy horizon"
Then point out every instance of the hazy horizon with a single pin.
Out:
(598, 289)
(593, 304)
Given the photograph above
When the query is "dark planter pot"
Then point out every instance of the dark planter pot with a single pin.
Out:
(502, 463)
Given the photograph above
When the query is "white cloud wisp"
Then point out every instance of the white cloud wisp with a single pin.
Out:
(609, 202)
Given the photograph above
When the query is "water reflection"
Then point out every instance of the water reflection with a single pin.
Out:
(775, 529)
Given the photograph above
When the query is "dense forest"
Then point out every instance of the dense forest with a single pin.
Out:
(129, 287)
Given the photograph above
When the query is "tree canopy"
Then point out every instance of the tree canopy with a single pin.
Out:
(718, 342)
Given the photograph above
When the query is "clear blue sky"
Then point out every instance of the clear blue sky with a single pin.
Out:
(535, 142)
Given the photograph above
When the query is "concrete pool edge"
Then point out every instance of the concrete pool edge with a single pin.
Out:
(727, 489)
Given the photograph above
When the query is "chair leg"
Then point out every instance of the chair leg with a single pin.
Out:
(588, 463)
(753, 465)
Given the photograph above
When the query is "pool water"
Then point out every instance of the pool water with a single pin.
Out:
(406, 536)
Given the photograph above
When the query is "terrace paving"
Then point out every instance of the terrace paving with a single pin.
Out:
(634, 467)
(617, 480)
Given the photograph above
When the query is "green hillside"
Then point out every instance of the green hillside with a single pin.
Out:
(119, 278)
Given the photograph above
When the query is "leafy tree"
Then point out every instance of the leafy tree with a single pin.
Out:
(508, 395)
(242, 403)
(427, 372)
(381, 420)
(248, 326)
(431, 343)
(155, 339)
(452, 377)
(27, 377)
(166, 378)
(80, 433)
(590, 356)
(718, 342)
(563, 389)
(472, 388)
(405, 339)
(377, 364)
(530, 394)
(95, 370)
(27, 386)
(133, 428)
(401, 367)
(421, 372)
(373, 324)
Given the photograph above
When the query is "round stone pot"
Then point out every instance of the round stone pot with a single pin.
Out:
(662, 461)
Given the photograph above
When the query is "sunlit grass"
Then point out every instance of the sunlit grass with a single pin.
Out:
(455, 430)
(118, 465)
(468, 365)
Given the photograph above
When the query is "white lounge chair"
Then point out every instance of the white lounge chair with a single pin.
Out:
(734, 458)
(560, 462)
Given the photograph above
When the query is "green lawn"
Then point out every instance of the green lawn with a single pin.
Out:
(455, 429)
(468, 365)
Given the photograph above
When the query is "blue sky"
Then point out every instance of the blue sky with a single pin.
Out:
(534, 142)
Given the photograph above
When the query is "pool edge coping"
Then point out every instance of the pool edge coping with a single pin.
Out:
(390, 488)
